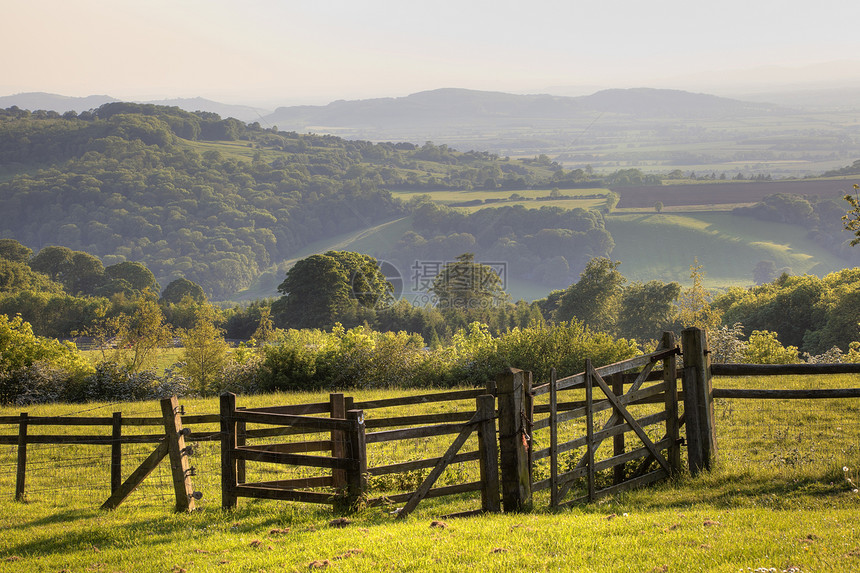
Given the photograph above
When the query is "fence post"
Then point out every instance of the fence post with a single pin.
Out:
(116, 452)
(485, 406)
(698, 400)
(228, 444)
(553, 439)
(528, 422)
(514, 459)
(670, 381)
(22, 458)
(618, 472)
(589, 428)
(337, 406)
(178, 454)
(356, 476)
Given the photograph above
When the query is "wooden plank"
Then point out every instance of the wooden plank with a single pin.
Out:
(628, 485)
(137, 476)
(421, 464)
(435, 492)
(259, 492)
(134, 421)
(295, 483)
(485, 408)
(424, 419)
(440, 466)
(528, 422)
(250, 453)
(633, 397)
(58, 421)
(297, 447)
(590, 377)
(603, 434)
(312, 422)
(337, 409)
(632, 421)
(21, 464)
(116, 453)
(241, 440)
(553, 440)
(83, 439)
(618, 440)
(422, 399)
(179, 467)
(413, 433)
(282, 431)
(578, 380)
(670, 383)
(782, 369)
(296, 409)
(192, 420)
(762, 394)
(638, 453)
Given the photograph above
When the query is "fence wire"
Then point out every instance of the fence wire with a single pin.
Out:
(789, 437)
(81, 473)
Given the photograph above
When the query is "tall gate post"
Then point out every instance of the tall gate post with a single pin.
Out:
(228, 444)
(513, 441)
(698, 400)
(356, 476)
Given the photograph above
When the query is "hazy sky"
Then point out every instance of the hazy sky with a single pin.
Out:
(315, 51)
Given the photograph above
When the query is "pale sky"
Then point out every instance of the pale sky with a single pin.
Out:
(316, 51)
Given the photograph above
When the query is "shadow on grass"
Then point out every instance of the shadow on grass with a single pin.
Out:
(723, 489)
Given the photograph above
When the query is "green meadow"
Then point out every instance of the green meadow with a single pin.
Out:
(781, 497)
(663, 246)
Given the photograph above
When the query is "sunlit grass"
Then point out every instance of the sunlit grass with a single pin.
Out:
(758, 508)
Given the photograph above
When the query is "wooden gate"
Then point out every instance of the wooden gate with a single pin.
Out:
(345, 469)
(600, 390)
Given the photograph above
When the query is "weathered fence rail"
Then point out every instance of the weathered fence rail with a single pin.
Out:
(336, 440)
(171, 442)
(701, 423)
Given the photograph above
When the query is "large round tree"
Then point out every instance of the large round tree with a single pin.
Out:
(321, 289)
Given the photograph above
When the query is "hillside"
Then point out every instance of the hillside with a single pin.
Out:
(657, 130)
(209, 199)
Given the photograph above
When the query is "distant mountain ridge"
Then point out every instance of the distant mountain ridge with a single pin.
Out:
(61, 104)
(452, 105)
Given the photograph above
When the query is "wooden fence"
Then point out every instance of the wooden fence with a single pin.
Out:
(170, 443)
(348, 441)
(699, 397)
(335, 436)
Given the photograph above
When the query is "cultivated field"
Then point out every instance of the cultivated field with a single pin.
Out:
(663, 246)
(779, 498)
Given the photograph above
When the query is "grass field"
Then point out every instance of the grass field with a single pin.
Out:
(663, 246)
(573, 198)
(778, 499)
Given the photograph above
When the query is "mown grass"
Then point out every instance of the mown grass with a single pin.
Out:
(756, 509)
(726, 245)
